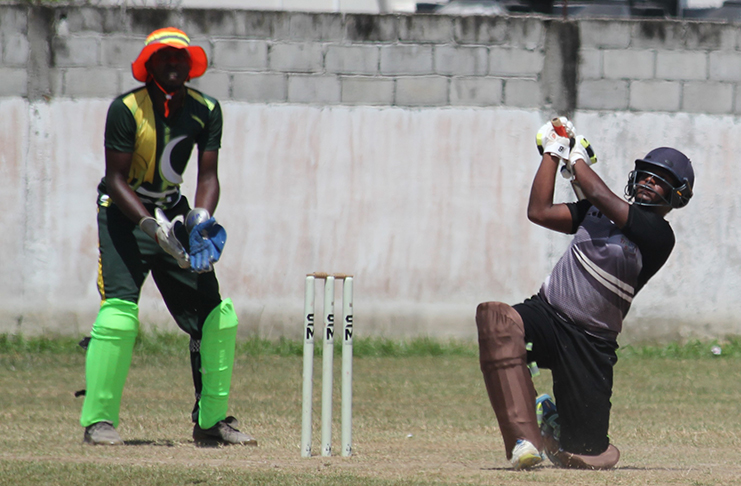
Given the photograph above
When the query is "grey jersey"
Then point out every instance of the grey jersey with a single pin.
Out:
(594, 282)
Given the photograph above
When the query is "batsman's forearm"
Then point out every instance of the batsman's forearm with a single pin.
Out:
(542, 190)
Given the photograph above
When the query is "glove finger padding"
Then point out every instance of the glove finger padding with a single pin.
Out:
(166, 238)
(582, 149)
(207, 241)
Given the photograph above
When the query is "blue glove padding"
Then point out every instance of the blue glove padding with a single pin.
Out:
(207, 241)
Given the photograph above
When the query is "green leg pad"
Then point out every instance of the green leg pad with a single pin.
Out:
(108, 359)
(218, 341)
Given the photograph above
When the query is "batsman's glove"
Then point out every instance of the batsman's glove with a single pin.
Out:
(549, 142)
(207, 240)
(583, 150)
(162, 230)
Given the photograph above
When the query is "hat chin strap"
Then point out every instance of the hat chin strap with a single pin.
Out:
(168, 97)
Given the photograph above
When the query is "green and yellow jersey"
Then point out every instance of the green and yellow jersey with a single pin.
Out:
(161, 148)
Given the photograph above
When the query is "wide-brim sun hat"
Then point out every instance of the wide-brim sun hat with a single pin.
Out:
(169, 37)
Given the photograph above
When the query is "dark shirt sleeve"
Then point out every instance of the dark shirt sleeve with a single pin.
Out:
(210, 139)
(654, 237)
(120, 128)
(578, 213)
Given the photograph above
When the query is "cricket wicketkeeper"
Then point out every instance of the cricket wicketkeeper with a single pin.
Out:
(146, 225)
(571, 325)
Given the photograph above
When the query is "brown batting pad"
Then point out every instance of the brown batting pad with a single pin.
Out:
(606, 460)
(502, 356)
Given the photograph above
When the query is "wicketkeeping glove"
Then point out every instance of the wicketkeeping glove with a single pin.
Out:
(549, 142)
(162, 230)
(207, 241)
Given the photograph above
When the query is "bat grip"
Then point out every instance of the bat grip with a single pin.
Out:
(559, 128)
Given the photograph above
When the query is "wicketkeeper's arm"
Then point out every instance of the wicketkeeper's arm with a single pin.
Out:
(117, 166)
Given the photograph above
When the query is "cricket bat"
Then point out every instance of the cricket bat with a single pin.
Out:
(561, 131)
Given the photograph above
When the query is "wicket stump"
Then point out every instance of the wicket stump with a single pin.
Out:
(327, 363)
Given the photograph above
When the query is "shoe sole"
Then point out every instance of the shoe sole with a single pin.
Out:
(102, 443)
(213, 442)
(528, 461)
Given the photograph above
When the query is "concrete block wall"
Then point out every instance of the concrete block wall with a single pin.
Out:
(664, 66)
(394, 60)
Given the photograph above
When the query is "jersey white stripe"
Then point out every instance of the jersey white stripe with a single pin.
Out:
(615, 285)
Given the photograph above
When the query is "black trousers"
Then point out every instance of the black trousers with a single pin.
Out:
(582, 369)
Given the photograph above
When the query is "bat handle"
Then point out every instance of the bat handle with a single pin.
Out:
(559, 128)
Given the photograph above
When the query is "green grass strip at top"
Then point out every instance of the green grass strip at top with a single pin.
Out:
(173, 344)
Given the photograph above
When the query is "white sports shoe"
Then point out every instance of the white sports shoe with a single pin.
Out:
(525, 455)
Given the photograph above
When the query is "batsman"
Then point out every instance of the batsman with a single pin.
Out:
(571, 325)
(146, 225)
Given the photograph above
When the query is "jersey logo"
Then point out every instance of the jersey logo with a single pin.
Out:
(168, 173)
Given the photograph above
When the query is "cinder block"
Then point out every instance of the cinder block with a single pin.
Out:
(75, 51)
(522, 93)
(414, 59)
(214, 83)
(603, 94)
(240, 55)
(91, 83)
(476, 91)
(460, 60)
(15, 82)
(611, 34)
(313, 89)
(657, 34)
(358, 59)
(426, 28)
(655, 95)
(708, 36)
(13, 20)
(15, 50)
(316, 27)
(681, 65)
(371, 28)
(737, 102)
(119, 51)
(590, 64)
(724, 65)
(527, 32)
(126, 81)
(260, 87)
(628, 63)
(712, 98)
(506, 61)
(366, 90)
(422, 91)
(296, 58)
(484, 30)
(243, 24)
(99, 20)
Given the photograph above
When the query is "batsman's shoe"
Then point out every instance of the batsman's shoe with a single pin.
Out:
(225, 432)
(525, 455)
(101, 433)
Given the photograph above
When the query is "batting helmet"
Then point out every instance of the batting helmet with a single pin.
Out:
(672, 161)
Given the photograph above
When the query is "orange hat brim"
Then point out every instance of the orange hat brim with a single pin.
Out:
(199, 61)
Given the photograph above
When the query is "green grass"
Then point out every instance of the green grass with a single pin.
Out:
(420, 417)
(172, 344)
